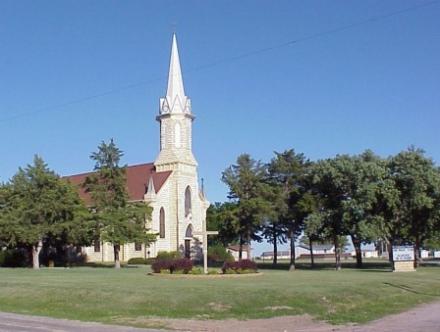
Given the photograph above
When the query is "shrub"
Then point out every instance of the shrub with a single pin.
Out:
(14, 258)
(219, 254)
(160, 265)
(183, 264)
(180, 265)
(167, 255)
(243, 266)
(140, 260)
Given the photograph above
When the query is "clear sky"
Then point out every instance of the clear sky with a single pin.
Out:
(73, 73)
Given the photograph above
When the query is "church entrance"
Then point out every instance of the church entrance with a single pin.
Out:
(187, 248)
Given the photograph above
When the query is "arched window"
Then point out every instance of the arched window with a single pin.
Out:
(177, 140)
(189, 231)
(162, 223)
(187, 201)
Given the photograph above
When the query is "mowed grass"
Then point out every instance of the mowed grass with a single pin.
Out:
(129, 296)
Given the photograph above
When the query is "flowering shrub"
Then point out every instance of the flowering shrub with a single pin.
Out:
(160, 265)
(180, 265)
(183, 264)
(243, 266)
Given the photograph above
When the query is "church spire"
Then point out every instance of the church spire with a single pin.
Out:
(175, 80)
(175, 100)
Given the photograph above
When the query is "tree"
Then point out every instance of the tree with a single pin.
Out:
(363, 175)
(286, 176)
(223, 217)
(417, 180)
(246, 187)
(118, 221)
(38, 206)
(331, 185)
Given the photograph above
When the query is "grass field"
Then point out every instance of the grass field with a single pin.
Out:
(129, 296)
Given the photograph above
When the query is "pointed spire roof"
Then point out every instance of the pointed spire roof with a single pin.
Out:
(151, 190)
(175, 80)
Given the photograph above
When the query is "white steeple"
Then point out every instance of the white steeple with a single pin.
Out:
(175, 119)
(175, 100)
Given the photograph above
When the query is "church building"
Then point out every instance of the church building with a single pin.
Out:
(169, 184)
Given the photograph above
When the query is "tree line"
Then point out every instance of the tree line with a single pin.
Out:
(395, 200)
(41, 211)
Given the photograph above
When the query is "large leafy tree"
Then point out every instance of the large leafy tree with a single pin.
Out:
(416, 179)
(331, 185)
(246, 182)
(38, 206)
(363, 175)
(118, 221)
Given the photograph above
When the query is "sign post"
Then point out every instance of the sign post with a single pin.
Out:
(403, 258)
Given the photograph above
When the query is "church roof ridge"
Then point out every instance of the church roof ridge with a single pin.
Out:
(90, 172)
(137, 178)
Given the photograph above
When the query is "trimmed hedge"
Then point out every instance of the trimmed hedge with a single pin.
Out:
(243, 266)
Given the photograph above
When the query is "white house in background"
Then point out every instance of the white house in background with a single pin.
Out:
(367, 253)
(234, 251)
(319, 249)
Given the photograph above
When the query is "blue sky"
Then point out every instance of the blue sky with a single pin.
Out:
(374, 85)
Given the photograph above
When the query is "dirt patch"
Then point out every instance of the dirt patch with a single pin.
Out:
(424, 318)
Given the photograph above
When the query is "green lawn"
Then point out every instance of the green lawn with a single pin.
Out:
(129, 295)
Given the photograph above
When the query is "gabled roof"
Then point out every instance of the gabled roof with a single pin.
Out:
(236, 247)
(137, 177)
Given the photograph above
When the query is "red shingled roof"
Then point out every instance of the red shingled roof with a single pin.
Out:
(137, 176)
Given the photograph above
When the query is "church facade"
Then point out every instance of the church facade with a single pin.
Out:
(169, 184)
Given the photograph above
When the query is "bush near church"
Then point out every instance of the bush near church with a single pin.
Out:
(140, 261)
(168, 255)
(219, 254)
(179, 265)
(240, 267)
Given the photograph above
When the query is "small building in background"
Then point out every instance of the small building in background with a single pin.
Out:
(234, 250)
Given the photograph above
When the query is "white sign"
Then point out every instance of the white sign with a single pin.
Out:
(403, 253)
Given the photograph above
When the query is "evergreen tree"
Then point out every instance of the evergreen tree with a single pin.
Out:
(286, 173)
(118, 221)
(246, 188)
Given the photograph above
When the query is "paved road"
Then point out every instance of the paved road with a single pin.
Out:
(22, 323)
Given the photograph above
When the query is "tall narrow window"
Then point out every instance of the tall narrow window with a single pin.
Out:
(187, 201)
(162, 223)
(177, 138)
(97, 246)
